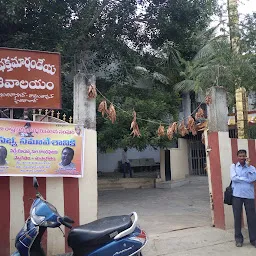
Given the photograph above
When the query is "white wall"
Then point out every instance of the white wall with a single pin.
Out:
(108, 162)
(179, 161)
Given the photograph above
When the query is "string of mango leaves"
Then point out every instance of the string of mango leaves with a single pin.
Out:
(175, 127)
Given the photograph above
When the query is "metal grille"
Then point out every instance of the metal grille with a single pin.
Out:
(197, 156)
(232, 133)
(251, 132)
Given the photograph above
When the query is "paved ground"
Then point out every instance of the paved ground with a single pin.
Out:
(177, 221)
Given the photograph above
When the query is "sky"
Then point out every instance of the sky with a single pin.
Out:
(244, 7)
(247, 6)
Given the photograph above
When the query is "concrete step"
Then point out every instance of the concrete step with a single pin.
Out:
(125, 183)
(171, 184)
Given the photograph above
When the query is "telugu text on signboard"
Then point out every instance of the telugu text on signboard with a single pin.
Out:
(29, 79)
(40, 149)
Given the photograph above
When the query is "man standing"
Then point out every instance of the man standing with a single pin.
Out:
(126, 163)
(243, 176)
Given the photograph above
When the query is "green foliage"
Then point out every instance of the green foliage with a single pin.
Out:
(109, 38)
(215, 64)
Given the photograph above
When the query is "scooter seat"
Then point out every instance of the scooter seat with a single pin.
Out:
(98, 232)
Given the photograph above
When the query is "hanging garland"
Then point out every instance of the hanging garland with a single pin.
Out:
(208, 100)
(92, 93)
(173, 128)
(134, 126)
(161, 131)
(183, 131)
(199, 114)
(103, 108)
(112, 113)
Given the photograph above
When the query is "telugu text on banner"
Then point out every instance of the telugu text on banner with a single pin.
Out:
(40, 149)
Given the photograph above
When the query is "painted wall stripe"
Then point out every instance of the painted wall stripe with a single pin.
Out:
(71, 203)
(252, 153)
(16, 208)
(88, 184)
(5, 216)
(252, 156)
(234, 147)
(225, 160)
(216, 179)
(242, 144)
(55, 196)
(29, 193)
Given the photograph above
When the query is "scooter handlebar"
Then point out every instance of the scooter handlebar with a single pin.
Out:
(66, 221)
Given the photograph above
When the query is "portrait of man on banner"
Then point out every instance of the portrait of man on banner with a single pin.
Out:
(67, 156)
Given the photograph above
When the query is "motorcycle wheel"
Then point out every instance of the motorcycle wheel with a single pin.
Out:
(139, 254)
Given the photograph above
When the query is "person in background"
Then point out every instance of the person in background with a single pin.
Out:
(125, 163)
(243, 176)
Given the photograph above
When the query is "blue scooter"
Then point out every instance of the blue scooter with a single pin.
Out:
(110, 236)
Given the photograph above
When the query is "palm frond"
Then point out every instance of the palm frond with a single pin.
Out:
(212, 47)
(185, 86)
(141, 70)
(161, 78)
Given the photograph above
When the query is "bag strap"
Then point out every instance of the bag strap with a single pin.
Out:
(231, 180)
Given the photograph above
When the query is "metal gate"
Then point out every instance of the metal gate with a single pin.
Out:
(197, 156)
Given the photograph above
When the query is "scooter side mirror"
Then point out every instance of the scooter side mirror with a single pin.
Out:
(35, 183)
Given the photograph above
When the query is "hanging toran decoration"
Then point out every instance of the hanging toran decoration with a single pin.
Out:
(112, 113)
(208, 100)
(134, 126)
(161, 131)
(92, 93)
(199, 114)
(103, 108)
(182, 129)
(171, 130)
(192, 125)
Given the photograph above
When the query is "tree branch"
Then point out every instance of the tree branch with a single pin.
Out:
(97, 14)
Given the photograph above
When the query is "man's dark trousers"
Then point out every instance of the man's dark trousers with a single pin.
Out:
(249, 204)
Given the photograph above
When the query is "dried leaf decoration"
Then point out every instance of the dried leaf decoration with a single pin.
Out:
(199, 114)
(192, 125)
(161, 131)
(171, 130)
(112, 113)
(202, 126)
(92, 93)
(208, 100)
(182, 129)
(134, 126)
(103, 108)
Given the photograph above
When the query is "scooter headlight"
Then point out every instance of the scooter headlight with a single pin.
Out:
(37, 220)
